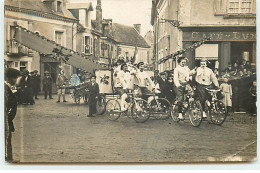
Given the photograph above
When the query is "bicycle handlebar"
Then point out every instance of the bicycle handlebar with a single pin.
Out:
(213, 90)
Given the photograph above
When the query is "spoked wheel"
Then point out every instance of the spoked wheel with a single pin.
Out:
(113, 109)
(140, 111)
(195, 113)
(160, 108)
(217, 112)
(101, 105)
(175, 114)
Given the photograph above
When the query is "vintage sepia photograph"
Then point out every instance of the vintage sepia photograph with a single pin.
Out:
(130, 81)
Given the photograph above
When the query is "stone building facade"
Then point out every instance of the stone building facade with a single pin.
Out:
(230, 24)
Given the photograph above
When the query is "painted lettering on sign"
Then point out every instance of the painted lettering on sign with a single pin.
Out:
(220, 36)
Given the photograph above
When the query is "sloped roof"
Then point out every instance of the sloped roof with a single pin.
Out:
(37, 6)
(127, 35)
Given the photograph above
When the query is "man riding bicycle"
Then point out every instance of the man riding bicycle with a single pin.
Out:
(205, 78)
(143, 80)
(182, 75)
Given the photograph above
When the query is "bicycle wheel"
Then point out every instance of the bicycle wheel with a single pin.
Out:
(217, 112)
(195, 113)
(140, 110)
(113, 109)
(174, 112)
(101, 105)
(160, 108)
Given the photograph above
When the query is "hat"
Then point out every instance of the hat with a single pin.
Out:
(124, 64)
(121, 56)
(35, 71)
(11, 73)
(46, 72)
(139, 64)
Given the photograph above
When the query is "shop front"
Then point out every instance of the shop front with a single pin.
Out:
(226, 45)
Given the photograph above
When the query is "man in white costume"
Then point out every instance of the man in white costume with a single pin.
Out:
(205, 78)
(182, 75)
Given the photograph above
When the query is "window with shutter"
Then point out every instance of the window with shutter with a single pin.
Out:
(238, 8)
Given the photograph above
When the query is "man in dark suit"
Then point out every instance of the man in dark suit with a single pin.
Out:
(10, 109)
(36, 83)
(93, 96)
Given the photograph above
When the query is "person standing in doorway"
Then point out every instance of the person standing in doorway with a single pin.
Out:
(93, 96)
(47, 85)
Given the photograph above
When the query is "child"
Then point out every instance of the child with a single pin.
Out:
(227, 91)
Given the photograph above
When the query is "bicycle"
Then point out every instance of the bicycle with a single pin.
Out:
(160, 107)
(215, 108)
(190, 106)
(140, 109)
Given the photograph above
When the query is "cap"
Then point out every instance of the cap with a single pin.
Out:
(181, 58)
(46, 72)
(156, 71)
(35, 71)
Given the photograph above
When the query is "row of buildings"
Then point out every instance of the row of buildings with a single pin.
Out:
(71, 25)
(230, 24)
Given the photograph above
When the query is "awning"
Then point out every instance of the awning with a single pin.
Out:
(44, 46)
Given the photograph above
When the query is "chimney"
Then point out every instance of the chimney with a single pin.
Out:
(99, 15)
(137, 27)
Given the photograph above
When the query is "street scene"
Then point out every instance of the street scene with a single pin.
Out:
(150, 81)
(47, 132)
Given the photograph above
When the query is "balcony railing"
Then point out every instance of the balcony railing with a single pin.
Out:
(16, 49)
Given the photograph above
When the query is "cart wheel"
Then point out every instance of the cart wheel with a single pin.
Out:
(77, 100)
(113, 109)
(101, 105)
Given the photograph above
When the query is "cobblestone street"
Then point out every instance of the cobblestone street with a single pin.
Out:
(62, 132)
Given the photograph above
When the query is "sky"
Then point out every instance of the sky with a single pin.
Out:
(127, 12)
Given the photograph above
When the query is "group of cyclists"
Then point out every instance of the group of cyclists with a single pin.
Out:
(128, 78)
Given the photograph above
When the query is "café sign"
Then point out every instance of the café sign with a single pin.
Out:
(220, 36)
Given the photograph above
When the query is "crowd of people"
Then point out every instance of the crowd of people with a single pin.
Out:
(237, 84)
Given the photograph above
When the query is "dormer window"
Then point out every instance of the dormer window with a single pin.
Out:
(59, 6)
